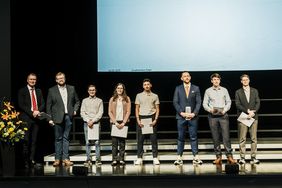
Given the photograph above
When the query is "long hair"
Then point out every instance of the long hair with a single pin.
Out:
(124, 95)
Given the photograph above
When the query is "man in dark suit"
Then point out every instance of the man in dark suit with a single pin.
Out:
(31, 103)
(187, 103)
(62, 105)
(247, 100)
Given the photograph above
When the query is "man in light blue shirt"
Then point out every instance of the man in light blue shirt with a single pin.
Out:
(217, 102)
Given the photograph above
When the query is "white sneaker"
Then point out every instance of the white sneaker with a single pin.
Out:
(156, 161)
(254, 161)
(139, 161)
(242, 161)
(197, 160)
(178, 162)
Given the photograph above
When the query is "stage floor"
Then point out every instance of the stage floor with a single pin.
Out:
(267, 174)
(148, 169)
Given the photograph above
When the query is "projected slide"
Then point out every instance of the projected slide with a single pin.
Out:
(194, 35)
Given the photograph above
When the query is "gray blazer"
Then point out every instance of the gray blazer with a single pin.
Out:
(55, 106)
(243, 105)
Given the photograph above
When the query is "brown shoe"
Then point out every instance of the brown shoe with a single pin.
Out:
(230, 160)
(56, 163)
(218, 161)
(67, 162)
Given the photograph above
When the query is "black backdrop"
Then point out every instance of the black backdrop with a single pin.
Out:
(56, 35)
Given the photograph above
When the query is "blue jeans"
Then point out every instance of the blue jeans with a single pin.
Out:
(192, 128)
(88, 145)
(62, 132)
(219, 126)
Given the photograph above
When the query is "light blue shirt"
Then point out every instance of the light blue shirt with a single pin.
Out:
(217, 97)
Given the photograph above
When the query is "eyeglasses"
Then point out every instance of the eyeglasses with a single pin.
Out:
(91, 89)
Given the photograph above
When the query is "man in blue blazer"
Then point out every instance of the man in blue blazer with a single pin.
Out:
(187, 103)
(62, 104)
(247, 100)
(31, 103)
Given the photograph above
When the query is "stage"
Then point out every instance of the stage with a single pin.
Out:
(266, 174)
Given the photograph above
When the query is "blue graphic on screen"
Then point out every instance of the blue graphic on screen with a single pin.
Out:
(194, 35)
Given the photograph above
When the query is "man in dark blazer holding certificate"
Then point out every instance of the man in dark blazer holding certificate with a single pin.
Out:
(31, 103)
(247, 101)
(187, 103)
(62, 104)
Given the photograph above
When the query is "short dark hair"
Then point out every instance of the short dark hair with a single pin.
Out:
(91, 85)
(147, 80)
(215, 75)
(244, 75)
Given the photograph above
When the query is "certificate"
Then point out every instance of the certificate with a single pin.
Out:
(44, 116)
(147, 128)
(119, 132)
(244, 118)
(93, 133)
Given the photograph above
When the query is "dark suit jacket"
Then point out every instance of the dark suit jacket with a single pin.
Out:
(180, 101)
(24, 102)
(55, 106)
(243, 105)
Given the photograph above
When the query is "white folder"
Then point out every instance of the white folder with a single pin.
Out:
(244, 118)
(119, 132)
(147, 129)
(93, 133)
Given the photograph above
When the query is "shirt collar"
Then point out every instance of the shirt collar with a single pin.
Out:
(30, 88)
(216, 88)
(147, 93)
(62, 87)
(185, 85)
(246, 88)
(92, 97)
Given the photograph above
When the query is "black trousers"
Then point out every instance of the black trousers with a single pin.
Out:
(29, 142)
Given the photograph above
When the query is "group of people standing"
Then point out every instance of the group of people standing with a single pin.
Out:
(63, 103)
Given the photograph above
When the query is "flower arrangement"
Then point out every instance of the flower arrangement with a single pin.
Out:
(12, 129)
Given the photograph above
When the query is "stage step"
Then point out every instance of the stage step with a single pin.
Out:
(168, 156)
(268, 149)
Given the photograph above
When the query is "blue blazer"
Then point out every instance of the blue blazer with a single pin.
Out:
(180, 101)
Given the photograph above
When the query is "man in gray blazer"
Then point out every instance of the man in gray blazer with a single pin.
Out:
(62, 104)
(187, 103)
(247, 100)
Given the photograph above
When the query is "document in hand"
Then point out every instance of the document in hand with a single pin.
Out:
(244, 118)
(93, 133)
(44, 116)
(119, 132)
(147, 129)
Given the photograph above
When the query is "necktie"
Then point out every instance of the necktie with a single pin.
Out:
(33, 100)
(187, 90)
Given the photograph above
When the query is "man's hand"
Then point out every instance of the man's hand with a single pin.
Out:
(51, 122)
(35, 113)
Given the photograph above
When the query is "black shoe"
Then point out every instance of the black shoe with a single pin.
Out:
(26, 164)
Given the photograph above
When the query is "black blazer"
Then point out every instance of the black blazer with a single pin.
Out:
(24, 102)
(55, 106)
(180, 101)
(243, 105)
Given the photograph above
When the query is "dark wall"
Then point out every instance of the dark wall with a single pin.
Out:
(52, 36)
(5, 47)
